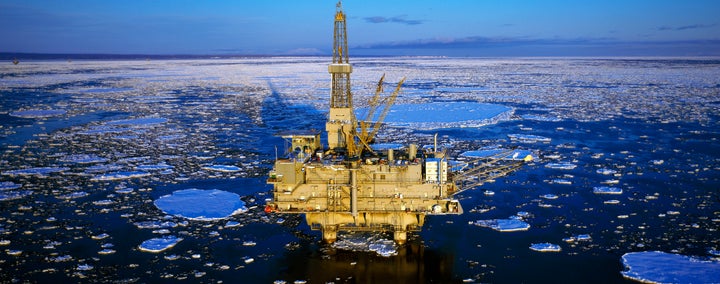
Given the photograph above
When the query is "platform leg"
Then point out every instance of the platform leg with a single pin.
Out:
(329, 234)
(400, 237)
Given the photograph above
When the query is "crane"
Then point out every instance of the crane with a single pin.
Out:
(367, 134)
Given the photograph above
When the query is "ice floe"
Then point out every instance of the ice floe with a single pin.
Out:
(607, 190)
(39, 171)
(7, 185)
(606, 171)
(12, 195)
(142, 121)
(500, 153)
(120, 176)
(549, 196)
(38, 113)
(561, 166)
(528, 138)
(156, 167)
(222, 168)
(198, 204)
(661, 267)
(545, 247)
(155, 224)
(540, 118)
(159, 244)
(83, 159)
(368, 242)
(503, 225)
(73, 195)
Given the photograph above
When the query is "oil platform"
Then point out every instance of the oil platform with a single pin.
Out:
(353, 186)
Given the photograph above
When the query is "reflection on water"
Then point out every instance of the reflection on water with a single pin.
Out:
(414, 263)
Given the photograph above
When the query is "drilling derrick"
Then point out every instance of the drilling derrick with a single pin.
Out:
(340, 125)
(352, 186)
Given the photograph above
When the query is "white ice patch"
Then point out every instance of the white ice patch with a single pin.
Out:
(499, 153)
(528, 138)
(549, 196)
(561, 181)
(73, 195)
(159, 244)
(7, 193)
(545, 247)
(540, 118)
(386, 146)
(38, 172)
(102, 168)
(503, 225)
(120, 176)
(143, 121)
(660, 267)
(12, 195)
(444, 115)
(83, 159)
(367, 242)
(38, 113)
(222, 168)
(155, 224)
(561, 166)
(607, 190)
(8, 185)
(156, 167)
(204, 205)
(606, 171)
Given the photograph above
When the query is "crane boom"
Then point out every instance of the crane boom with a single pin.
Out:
(373, 104)
(386, 109)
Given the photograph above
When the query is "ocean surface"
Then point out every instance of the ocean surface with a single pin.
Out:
(626, 151)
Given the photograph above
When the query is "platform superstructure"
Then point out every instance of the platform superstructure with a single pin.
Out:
(352, 185)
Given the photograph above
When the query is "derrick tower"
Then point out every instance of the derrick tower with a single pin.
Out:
(340, 125)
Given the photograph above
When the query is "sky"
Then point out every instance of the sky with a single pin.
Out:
(401, 27)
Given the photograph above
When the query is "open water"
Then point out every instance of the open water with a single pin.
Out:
(87, 147)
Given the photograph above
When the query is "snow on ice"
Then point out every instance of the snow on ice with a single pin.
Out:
(204, 205)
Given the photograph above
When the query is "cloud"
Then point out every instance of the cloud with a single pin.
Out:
(471, 41)
(397, 19)
(683, 28)
(528, 46)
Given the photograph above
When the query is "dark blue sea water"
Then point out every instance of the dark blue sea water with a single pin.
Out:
(652, 122)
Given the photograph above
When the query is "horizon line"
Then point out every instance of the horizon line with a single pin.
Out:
(144, 56)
